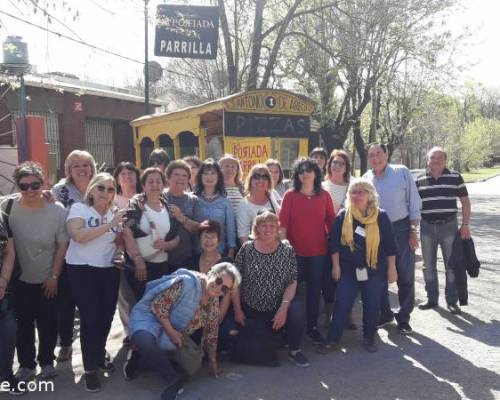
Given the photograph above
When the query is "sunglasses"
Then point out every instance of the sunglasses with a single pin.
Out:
(258, 176)
(102, 189)
(358, 192)
(338, 162)
(304, 170)
(33, 186)
(223, 288)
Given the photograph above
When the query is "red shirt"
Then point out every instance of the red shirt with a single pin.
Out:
(307, 220)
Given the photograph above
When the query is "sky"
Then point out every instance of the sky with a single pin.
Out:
(118, 26)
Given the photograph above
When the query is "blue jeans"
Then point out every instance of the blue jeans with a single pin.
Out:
(347, 290)
(432, 235)
(95, 291)
(405, 266)
(153, 357)
(8, 328)
(312, 271)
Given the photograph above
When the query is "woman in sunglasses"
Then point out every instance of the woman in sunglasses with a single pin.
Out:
(79, 169)
(306, 218)
(93, 280)
(363, 250)
(150, 232)
(39, 233)
(259, 196)
(338, 175)
(172, 309)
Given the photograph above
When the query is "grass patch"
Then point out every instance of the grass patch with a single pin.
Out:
(480, 174)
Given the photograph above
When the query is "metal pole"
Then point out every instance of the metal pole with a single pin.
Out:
(146, 69)
(23, 141)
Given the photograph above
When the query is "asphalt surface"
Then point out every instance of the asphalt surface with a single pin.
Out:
(447, 356)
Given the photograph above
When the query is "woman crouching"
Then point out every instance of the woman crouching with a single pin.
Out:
(173, 308)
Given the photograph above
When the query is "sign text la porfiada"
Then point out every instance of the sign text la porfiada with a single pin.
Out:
(187, 31)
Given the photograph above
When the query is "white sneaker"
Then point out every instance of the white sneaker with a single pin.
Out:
(25, 374)
(47, 372)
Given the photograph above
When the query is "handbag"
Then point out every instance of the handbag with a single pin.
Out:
(189, 356)
(255, 344)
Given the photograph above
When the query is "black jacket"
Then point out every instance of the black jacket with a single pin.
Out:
(463, 260)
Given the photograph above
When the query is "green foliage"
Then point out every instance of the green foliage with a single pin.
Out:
(477, 143)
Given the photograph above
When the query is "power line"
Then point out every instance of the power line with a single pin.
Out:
(62, 35)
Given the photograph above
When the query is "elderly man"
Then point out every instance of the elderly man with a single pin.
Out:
(399, 198)
(439, 189)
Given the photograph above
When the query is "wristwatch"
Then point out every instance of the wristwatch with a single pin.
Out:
(54, 276)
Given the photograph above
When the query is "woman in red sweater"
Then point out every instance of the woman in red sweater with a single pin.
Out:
(306, 217)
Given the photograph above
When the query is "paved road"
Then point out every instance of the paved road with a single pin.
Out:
(447, 357)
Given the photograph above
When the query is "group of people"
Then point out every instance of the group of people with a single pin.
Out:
(187, 247)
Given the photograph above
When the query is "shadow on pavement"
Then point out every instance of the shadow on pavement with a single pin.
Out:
(446, 367)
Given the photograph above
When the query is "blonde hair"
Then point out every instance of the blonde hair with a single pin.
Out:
(226, 268)
(239, 173)
(363, 184)
(255, 168)
(262, 217)
(96, 180)
(68, 163)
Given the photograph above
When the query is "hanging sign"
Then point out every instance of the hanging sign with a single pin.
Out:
(187, 31)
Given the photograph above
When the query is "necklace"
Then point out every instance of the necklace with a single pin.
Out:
(210, 197)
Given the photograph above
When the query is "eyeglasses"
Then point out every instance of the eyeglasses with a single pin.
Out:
(358, 192)
(338, 163)
(33, 186)
(304, 170)
(102, 189)
(258, 176)
(223, 288)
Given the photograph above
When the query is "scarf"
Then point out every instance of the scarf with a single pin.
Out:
(372, 239)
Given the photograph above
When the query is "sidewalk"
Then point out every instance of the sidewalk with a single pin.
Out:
(447, 357)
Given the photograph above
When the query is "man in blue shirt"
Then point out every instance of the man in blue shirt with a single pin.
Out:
(399, 197)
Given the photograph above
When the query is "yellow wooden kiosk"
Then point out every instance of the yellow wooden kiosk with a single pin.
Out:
(253, 125)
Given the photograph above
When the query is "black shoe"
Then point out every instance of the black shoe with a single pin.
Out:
(173, 390)
(427, 306)
(385, 321)
(131, 365)
(15, 389)
(107, 356)
(299, 358)
(370, 345)
(404, 328)
(316, 337)
(328, 347)
(92, 383)
(454, 309)
(107, 366)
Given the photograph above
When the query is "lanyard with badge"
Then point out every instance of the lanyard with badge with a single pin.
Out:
(361, 272)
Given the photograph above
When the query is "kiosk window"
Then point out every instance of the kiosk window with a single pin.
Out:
(288, 153)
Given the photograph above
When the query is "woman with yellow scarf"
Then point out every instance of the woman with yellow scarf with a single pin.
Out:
(363, 251)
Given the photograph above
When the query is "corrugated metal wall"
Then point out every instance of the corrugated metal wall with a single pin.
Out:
(99, 140)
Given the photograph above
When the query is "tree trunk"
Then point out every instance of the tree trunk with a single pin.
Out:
(256, 45)
(231, 66)
(277, 44)
(360, 147)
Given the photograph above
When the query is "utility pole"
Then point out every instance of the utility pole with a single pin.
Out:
(146, 61)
